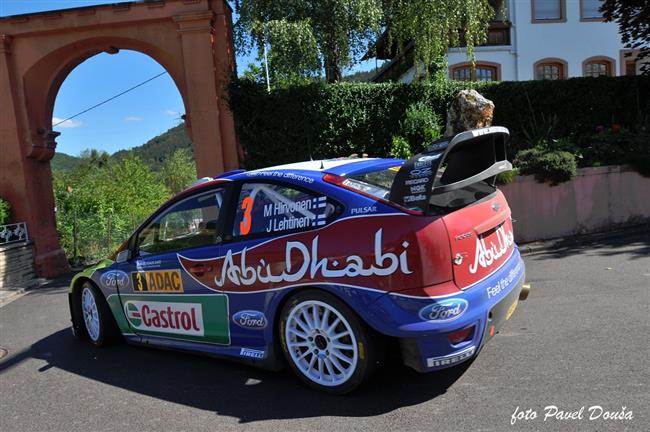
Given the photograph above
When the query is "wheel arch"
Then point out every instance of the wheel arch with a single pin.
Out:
(294, 291)
(74, 302)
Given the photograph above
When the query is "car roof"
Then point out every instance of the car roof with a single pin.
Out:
(313, 169)
(340, 166)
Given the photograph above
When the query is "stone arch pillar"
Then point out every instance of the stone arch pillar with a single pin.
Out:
(190, 38)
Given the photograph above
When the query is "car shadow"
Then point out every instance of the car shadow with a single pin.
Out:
(228, 388)
(634, 241)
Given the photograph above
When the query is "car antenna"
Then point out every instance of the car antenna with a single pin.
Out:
(321, 165)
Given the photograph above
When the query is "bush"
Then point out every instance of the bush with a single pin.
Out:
(331, 120)
(421, 126)
(5, 212)
(614, 148)
(507, 177)
(553, 166)
(400, 148)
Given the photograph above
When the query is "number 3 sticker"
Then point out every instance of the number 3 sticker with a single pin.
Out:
(245, 224)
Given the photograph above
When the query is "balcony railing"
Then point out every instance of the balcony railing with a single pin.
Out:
(12, 233)
(498, 34)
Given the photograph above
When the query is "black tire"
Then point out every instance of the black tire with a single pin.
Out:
(368, 343)
(107, 329)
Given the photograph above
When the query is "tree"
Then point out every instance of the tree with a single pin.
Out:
(99, 204)
(432, 26)
(633, 19)
(178, 171)
(307, 36)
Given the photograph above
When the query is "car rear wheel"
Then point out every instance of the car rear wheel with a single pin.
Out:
(326, 344)
(98, 322)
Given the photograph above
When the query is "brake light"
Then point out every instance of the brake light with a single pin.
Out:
(461, 335)
(362, 189)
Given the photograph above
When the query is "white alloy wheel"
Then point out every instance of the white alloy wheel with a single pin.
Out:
(321, 343)
(90, 313)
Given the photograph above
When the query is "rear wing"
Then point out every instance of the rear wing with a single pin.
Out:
(450, 164)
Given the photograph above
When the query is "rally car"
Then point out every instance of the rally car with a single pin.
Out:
(323, 265)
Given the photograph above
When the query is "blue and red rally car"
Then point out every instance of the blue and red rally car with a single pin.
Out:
(319, 264)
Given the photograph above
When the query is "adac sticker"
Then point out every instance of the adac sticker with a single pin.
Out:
(250, 319)
(165, 281)
(114, 279)
(444, 310)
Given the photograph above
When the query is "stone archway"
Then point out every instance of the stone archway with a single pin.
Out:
(192, 39)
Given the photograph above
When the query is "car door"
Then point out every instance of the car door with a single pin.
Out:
(164, 303)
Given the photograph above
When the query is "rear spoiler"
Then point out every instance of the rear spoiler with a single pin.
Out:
(451, 164)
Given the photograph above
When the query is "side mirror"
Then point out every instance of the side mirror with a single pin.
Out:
(123, 256)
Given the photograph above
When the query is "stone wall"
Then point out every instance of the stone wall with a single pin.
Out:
(597, 199)
(17, 265)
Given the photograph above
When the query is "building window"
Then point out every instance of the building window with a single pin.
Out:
(598, 66)
(630, 67)
(548, 10)
(482, 72)
(550, 70)
(589, 10)
(628, 61)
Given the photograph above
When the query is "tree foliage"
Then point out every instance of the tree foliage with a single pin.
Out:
(306, 37)
(100, 203)
(5, 212)
(432, 26)
(633, 19)
(178, 171)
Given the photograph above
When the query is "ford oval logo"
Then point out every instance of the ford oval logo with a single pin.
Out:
(114, 278)
(444, 310)
(250, 319)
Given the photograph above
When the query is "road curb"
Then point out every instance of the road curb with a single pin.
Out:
(533, 248)
(7, 296)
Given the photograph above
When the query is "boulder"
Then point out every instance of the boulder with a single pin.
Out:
(469, 110)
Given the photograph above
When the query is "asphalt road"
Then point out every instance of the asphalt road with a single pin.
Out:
(581, 339)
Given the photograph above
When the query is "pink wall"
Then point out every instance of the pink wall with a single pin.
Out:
(597, 199)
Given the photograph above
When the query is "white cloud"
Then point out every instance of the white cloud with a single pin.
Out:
(130, 119)
(172, 113)
(68, 124)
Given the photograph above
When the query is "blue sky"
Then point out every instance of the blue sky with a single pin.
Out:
(127, 121)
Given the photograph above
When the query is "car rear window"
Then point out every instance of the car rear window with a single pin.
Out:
(378, 183)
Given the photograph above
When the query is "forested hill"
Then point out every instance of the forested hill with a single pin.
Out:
(64, 162)
(153, 152)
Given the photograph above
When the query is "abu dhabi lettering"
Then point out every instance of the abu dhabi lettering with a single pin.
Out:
(486, 255)
(303, 261)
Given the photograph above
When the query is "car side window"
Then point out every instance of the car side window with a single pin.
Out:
(266, 208)
(189, 223)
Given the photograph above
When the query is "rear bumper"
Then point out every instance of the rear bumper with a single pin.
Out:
(484, 307)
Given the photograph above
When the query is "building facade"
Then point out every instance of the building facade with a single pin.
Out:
(536, 39)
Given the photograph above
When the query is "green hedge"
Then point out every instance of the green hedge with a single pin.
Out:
(332, 120)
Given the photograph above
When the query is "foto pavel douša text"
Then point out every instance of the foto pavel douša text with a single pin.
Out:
(554, 413)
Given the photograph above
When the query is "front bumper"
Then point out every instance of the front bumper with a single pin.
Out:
(425, 343)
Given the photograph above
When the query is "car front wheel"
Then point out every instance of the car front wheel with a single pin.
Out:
(98, 321)
(325, 342)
